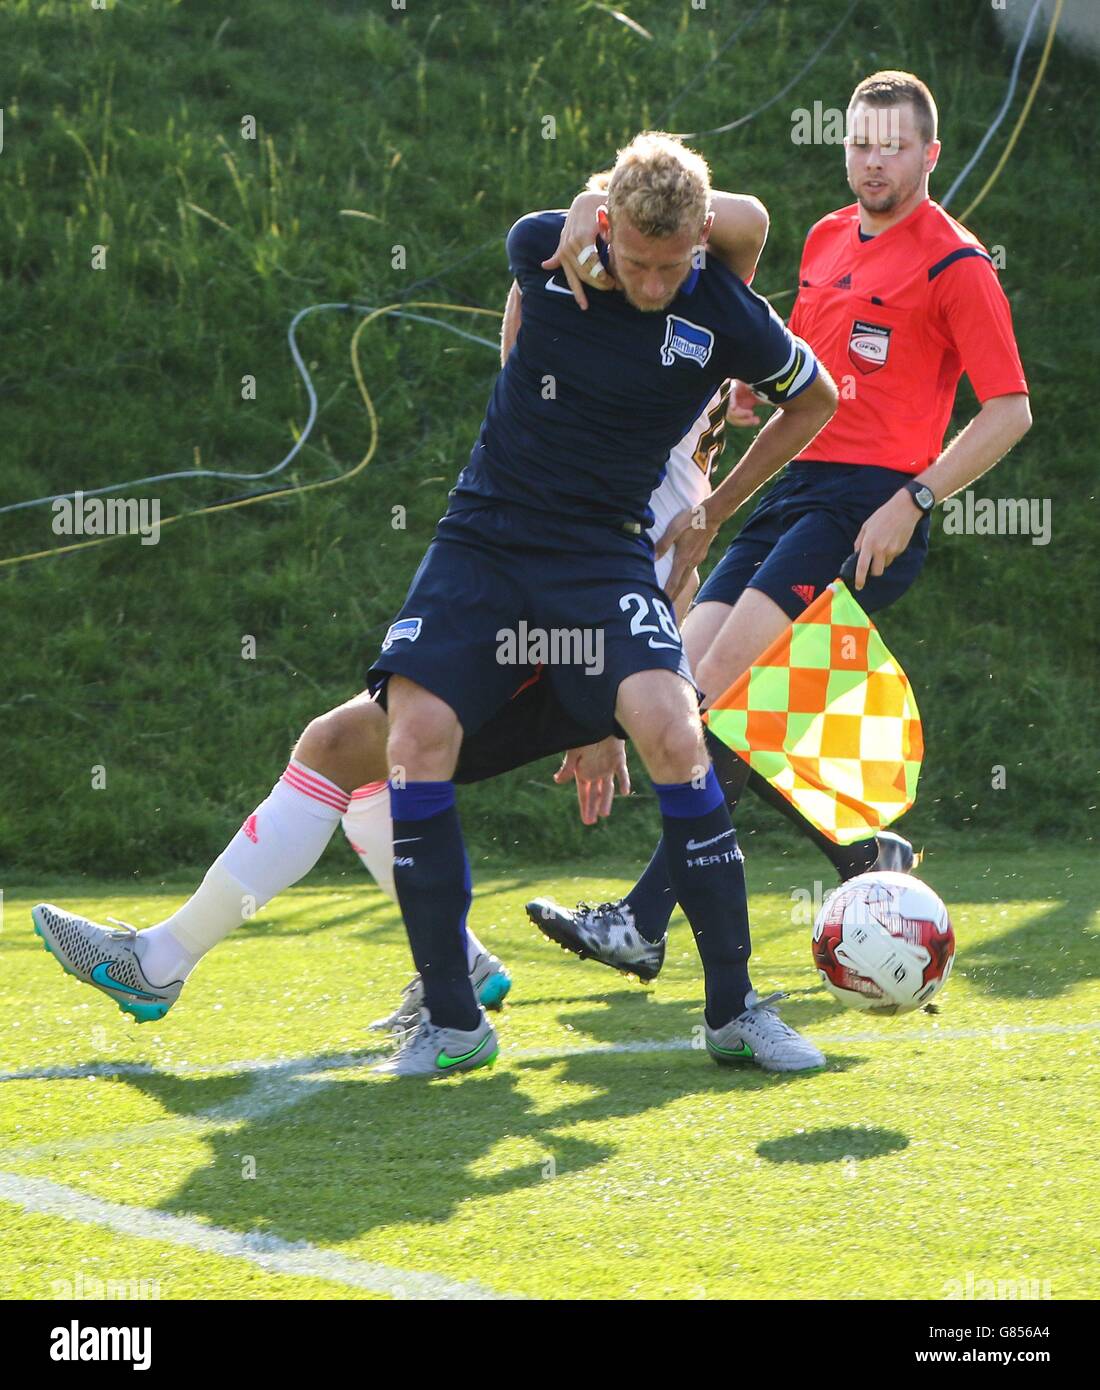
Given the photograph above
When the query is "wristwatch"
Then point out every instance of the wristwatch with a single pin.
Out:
(922, 495)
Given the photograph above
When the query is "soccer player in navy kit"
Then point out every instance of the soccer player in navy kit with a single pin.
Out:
(545, 525)
(546, 528)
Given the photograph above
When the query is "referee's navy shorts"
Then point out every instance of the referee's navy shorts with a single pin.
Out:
(801, 532)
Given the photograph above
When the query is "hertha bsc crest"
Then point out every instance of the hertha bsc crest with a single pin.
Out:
(687, 340)
(869, 345)
(404, 630)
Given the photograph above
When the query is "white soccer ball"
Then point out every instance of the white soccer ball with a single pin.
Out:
(883, 943)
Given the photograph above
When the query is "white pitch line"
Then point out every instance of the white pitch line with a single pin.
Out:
(539, 1054)
(275, 1087)
(292, 1068)
(278, 1086)
(87, 1071)
(285, 1083)
(275, 1256)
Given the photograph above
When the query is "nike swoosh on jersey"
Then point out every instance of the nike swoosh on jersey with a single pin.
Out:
(702, 844)
(558, 289)
(782, 385)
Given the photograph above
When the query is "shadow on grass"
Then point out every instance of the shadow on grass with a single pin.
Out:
(360, 1152)
(844, 1144)
(626, 1015)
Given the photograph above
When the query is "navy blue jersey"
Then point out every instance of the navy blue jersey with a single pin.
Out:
(584, 413)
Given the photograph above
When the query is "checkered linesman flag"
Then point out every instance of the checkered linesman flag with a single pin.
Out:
(828, 717)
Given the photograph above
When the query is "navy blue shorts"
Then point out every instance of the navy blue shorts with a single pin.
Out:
(530, 726)
(503, 589)
(801, 532)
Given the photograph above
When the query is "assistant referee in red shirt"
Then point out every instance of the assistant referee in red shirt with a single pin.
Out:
(897, 300)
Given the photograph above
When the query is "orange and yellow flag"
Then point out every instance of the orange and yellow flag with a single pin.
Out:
(828, 717)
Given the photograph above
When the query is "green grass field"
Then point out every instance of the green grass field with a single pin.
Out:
(603, 1156)
(424, 128)
(241, 1149)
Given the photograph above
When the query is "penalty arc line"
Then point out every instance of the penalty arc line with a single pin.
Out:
(273, 1255)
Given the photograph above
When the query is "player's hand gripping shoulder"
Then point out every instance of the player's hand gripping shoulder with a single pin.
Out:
(595, 769)
(737, 238)
(576, 253)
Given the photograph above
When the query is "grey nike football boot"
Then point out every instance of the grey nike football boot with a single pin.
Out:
(759, 1035)
(108, 960)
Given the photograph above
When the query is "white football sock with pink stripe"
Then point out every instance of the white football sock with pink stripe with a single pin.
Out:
(277, 845)
(369, 827)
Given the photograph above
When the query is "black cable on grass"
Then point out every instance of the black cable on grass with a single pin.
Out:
(299, 443)
(744, 120)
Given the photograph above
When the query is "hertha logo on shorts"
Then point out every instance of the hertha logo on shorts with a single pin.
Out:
(405, 628)
(686, 339)
(869, 345)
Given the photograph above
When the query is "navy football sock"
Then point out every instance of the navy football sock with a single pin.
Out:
(652, 900)
(431, 875)
(708, 878)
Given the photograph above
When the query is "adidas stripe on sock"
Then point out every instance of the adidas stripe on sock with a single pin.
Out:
(276, 846)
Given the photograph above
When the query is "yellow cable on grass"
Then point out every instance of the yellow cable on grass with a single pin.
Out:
(303, 487)
(465, 309)
(1023, 114)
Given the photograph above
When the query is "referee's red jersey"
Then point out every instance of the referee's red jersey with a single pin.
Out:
(897, 319)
